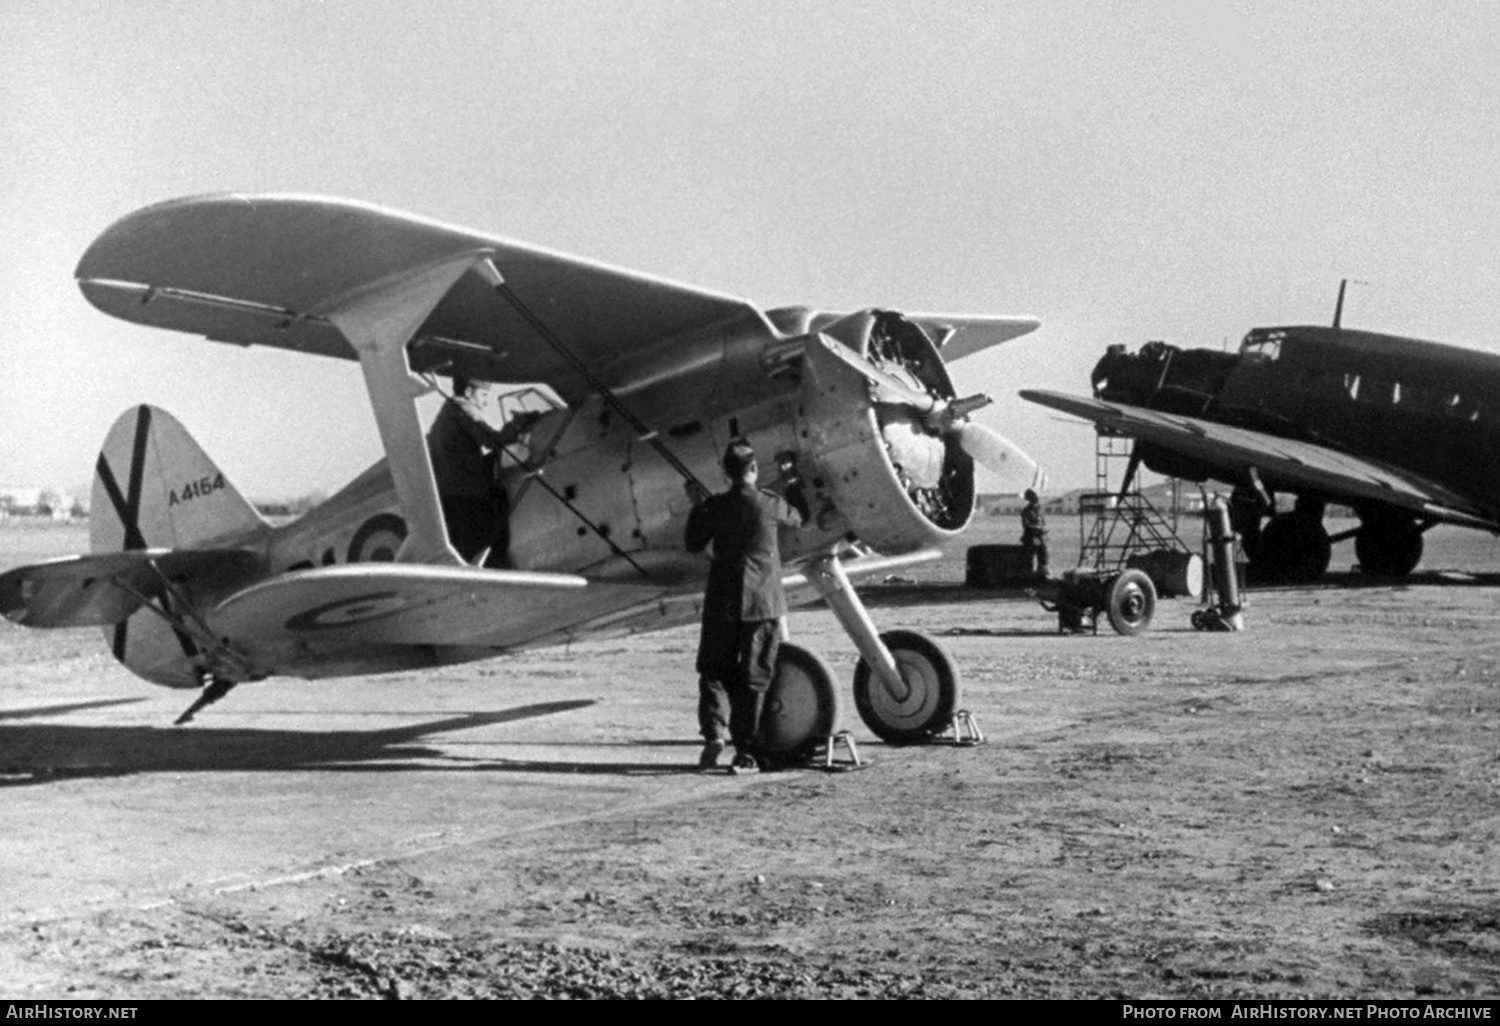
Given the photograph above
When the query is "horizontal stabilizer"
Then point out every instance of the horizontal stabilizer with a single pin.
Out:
(103, 589)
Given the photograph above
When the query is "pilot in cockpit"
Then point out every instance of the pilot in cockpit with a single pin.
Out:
(465, 449)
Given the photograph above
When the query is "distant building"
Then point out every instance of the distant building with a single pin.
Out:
(27, 501)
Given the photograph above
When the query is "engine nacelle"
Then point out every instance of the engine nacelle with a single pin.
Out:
(899, 482)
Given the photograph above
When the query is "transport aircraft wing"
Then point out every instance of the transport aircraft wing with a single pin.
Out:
(1283, 463)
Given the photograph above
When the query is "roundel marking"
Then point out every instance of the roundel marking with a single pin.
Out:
(350, 611)
(378, 539)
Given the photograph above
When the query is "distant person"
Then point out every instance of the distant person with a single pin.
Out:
(742, 606)
(465, 452)
(1034, 532)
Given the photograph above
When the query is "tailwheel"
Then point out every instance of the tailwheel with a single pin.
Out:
(931, 695)
(1130, 602)
(1293, 547)
(801, 708)
(1388, 548)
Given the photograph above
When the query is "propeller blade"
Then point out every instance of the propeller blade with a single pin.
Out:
(1000, 456)
(888, 387)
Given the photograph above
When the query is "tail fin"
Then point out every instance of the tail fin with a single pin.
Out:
(155, 488)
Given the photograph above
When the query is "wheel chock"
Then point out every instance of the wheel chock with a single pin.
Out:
(831, 762)
(966, 729)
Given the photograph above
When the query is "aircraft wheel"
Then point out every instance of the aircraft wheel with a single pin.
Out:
(1130, 602)
(801, 707)
(1293, 548)
(1388, 550)
(929, 701)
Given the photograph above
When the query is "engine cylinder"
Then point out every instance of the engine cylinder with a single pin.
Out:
(899, 482)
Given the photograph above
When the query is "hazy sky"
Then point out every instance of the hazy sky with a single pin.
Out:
(1124, 171)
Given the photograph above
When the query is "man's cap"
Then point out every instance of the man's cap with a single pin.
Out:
(1031, 496)
(738, 457)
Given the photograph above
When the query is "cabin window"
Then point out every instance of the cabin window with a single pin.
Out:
(1351, 385)
(1381, 391)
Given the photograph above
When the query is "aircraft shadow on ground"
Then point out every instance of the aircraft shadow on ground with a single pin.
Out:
(36, 753)
(58, 710)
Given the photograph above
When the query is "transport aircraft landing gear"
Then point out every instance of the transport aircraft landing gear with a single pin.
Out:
(1388, 546)
(1293, 547)
(802, 706)
(925, 706)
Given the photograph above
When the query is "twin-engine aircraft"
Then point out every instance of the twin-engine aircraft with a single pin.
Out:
(196, 590)
(1403, 431)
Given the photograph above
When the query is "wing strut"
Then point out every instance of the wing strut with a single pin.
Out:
(379, 320)
(492, 274)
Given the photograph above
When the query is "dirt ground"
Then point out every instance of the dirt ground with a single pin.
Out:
(1310, 808)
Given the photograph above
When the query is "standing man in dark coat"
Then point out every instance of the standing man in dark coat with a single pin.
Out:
(742, 607)
(1034, 532)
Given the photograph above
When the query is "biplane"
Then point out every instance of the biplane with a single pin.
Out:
(194, 589)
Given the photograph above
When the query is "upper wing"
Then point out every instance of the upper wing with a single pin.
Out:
(1281, 462)
(263, 270)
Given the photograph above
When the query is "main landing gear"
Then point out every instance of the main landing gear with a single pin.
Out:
(924, 703)
(1388, 545)
(1296, 548)
(905, 687)
(1292, 547)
